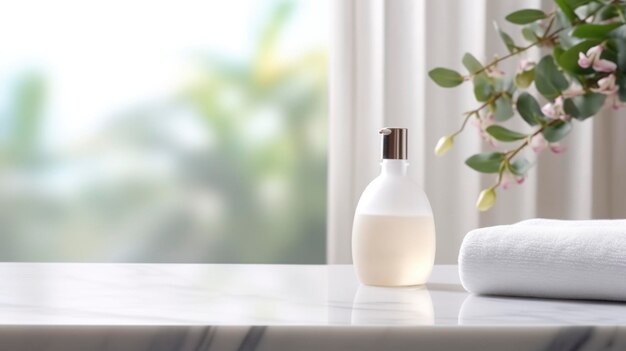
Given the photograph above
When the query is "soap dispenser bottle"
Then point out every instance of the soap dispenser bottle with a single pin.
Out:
(393, 234)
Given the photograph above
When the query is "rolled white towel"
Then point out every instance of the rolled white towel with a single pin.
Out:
(547, 258)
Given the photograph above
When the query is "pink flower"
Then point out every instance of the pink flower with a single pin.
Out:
(538, 143)
(509, 179)
(606, 85)
(556, 148)
(616, 104)
(592, 59)
(548, 110)
(506, 181)
(583, 60)
(489, 119)
(525, 65)
(554, 109)
(482, 124)
(573, 91)
(604, 66)
(593, 54)
(495, 72)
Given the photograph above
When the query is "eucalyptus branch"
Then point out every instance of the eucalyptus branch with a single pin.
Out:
(545, 38)
(515, 151)
(550, 23)
(489, 101)
(512, 153)
(476, 113)
(500, 175)
(598, 73)
(591, 14)
(497, 60)
(465, 120)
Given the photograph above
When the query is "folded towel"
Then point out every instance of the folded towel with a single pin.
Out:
(547, 258)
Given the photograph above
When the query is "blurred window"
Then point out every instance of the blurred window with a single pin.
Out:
(163, 131)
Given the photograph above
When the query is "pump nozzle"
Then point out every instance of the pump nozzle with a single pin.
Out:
(394, 143)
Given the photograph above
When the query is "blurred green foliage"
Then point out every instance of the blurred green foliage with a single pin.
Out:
(24, 128)
(253, 191)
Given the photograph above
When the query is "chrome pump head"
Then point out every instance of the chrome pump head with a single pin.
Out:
(394, 143)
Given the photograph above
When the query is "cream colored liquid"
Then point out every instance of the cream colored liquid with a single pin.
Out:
(393, 250)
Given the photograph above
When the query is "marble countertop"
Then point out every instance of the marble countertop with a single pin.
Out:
(211, 294)
(40, 297)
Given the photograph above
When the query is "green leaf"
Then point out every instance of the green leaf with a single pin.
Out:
(525, 16)
(446, 78)
(566, 41)
(568, 60)
(504, 134)
(556, 131)
(594, 31)
(486, 162)
(525, 79)
(609, 12)
(591, 10)
(567, 10)
(621, 54)
(610, 52)
(506, 39)
(563, 21)
(529, 109)
(557, 52)
(529, 34)
(471, 63)
(619, 32)
(483, 89)
(568, 6)
(504, 84)
(512, 87)
(574, 4)
(621, 83)
(619, 35)
(584, 106)
(519, 166)
(504, 108)
(549, 81)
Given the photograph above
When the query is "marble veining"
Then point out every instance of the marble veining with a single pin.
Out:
(58, 306)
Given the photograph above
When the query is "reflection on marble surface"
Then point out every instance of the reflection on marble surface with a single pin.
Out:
(399, 306)
(492, 310)
(279, 307)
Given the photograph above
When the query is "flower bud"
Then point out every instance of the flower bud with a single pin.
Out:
(525, 65)
(486, 199)
(444, 144)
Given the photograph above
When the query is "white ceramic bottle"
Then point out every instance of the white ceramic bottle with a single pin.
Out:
(393, 234)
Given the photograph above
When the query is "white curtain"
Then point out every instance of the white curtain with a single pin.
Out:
(381, 53)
